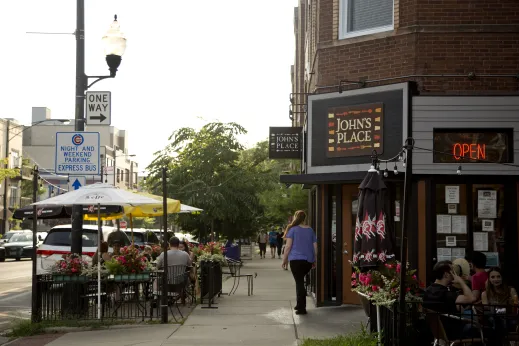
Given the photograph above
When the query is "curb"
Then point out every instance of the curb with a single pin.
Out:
(88, 329)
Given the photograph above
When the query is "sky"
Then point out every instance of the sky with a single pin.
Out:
(186, 63)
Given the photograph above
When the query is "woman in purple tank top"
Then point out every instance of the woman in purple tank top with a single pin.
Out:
(300, 252)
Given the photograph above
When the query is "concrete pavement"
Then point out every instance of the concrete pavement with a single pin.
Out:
(15, 291)
(265, 318)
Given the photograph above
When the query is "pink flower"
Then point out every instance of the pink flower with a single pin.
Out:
(353, 283)
(398, 268)
(374, 288)
(74, 270)
(353, 276)
(414, 277)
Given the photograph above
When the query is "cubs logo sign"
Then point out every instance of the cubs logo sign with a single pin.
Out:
(77, 139)
(39, 212)
(91, 208)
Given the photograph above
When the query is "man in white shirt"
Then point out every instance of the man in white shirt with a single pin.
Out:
(262, 242)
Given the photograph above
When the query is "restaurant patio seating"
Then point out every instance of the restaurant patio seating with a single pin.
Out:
(434, 321)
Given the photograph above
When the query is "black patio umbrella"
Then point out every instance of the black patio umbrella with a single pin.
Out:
(62, 212)
(373, 234)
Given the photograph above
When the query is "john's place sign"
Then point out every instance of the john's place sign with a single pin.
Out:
(355, 130)
(285, 142)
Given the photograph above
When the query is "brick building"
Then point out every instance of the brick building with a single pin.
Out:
(443, 72)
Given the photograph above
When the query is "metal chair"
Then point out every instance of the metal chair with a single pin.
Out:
(441, 338)
(235, 272)
(178, 280)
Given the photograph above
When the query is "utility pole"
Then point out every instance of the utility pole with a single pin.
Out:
(79, 124)
(164, 300)
(6, 165)
(35, 315)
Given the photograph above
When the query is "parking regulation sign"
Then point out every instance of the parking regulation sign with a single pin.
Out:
(77, 153)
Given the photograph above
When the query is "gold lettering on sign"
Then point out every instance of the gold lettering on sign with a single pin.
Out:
(355, 130)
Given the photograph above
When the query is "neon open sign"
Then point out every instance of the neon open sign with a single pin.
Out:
(473, 146)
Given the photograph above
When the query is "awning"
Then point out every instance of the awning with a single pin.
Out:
(322, 178)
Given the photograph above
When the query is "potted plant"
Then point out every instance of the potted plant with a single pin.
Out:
(130, 265)
(381, 285)
(210, 257)
(69, 269)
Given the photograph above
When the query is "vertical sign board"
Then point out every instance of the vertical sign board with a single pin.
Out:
(98, 108)
(77, 153)
(285, 142)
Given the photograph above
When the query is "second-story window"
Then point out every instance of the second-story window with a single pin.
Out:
(363, 17)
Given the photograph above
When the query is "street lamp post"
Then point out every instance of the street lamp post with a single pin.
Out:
(115, 45)
(7, 155)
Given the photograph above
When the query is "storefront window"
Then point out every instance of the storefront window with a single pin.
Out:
(452, 234)
(333, 233)
(489, 224)
(470, 217)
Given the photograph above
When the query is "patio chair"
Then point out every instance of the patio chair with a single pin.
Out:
(434, 321)
(235, 272)
(178, 280)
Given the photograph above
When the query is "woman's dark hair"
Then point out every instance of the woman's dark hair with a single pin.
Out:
(299, 218)
(186, 246)
(104, 247)
(441, 268)
(492, 294)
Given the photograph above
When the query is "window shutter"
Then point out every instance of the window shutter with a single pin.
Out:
(369, 14)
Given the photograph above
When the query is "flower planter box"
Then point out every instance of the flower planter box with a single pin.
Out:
(205, 284)
(130, 277)
(69, 278)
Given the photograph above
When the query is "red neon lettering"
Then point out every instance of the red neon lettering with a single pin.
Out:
(469, 151)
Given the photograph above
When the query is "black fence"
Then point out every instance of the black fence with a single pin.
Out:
(470, 325)
(136, 297)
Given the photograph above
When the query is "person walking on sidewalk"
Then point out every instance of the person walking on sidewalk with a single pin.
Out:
(279, 239)
(262, 242)
(300, 251)
(273, 242)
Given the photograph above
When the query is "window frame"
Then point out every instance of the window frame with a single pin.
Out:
(343, 23)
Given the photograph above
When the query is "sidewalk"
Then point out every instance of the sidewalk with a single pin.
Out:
(267, 317)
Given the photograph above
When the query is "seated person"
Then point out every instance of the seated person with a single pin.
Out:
(443, 298)
(105, 256)
(175, 256)
(501, 298)
(479, 279)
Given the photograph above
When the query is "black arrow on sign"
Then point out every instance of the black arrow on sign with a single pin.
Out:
(101, 118)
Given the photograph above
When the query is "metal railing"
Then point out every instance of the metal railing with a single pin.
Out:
(134, 297)
(469, 325)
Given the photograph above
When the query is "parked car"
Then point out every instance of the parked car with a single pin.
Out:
(143, 237)
(8, 235)
(19, 246)
(57, 244)
(159, 233)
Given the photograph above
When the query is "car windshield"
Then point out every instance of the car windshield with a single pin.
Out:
(152, 238)
(20, 237)
(61, 237)
(8, 235)
(138, 237)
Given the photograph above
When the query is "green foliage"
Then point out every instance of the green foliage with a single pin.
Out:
(27, 189)
(361, 338)
(237, 188)
(6, 173)
(143, 222)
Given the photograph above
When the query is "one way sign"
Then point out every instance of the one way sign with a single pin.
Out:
(98, 108)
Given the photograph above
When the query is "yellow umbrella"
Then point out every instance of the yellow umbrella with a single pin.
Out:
(149, 210)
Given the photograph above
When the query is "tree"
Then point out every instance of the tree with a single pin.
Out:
(204, 170)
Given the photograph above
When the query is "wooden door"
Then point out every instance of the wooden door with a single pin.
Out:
(349, 210)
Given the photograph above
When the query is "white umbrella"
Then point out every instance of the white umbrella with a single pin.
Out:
(188, 209)
(98, 193)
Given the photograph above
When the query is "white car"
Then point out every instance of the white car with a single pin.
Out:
(57, 244)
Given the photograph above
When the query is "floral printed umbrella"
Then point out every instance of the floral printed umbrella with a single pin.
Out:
(373, 237)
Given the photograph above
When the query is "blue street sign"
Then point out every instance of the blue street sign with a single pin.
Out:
(76, 184)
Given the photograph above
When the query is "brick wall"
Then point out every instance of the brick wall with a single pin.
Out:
(431, 37)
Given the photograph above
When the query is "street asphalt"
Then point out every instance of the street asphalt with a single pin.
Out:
(15, 291)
